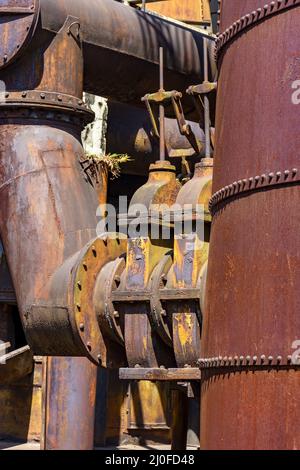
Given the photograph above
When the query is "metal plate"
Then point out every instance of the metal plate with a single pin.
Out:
(18, 20)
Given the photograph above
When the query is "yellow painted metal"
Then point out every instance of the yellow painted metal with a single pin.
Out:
(22, 410)
(149, 407)
(143, 254)
(147, 404)
(189, 11)
(190, 256)
(21, 407)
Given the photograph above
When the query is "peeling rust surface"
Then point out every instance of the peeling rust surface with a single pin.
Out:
(16, 28)
(190, 256)
(252, 295)
(70, 404)
(144, 347)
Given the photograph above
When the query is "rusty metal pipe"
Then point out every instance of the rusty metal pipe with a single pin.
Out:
(48, 213)
(39, 230)
(43, 221)
(70, 395)
(125, 43)
(162, 144)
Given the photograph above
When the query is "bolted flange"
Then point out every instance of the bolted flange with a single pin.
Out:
(88, 318)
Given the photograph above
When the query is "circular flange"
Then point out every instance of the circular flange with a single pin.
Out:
(38, 100)
(17, 26)
(110, 320)
(92, 259)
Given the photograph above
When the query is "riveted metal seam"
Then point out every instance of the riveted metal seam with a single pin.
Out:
(246, 361)
(39, 97)
(256, 183)
(252, 19)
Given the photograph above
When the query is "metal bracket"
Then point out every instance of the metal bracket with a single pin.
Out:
(163, 97)
(75, 23)
(202, 88)
(197, 91)
(163, 375)
(160, 97)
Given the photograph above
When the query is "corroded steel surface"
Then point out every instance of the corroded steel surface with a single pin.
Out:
(149, 406)
(244, 18)
(158, 291)
(190, 256)
(89, 313)
(15, 365)
(24, 14)
(34, 205)
(143, 347)
(21, 406)
(43, 222)
(69, 404)
(48, 205)
(250, 388)
(179, 420)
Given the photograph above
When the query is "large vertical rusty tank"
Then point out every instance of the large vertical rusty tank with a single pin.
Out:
(250, 388)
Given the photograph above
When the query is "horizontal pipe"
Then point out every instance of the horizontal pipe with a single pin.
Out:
(129, 131)
(121, 48)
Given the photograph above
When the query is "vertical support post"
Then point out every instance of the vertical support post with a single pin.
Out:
(180, 411)
(70, 396)
(162, 144)
(206, 101)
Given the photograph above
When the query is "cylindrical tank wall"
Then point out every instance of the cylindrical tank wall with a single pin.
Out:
(251, 399)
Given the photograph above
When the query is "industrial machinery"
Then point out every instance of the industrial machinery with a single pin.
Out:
(187, 295)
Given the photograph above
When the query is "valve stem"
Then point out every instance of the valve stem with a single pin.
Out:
(206, 101)
(162, 148)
